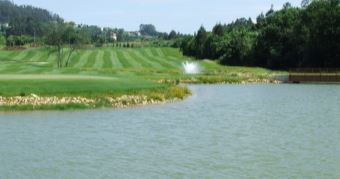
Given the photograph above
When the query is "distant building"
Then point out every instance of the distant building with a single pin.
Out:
(114, 36)
(134, 34)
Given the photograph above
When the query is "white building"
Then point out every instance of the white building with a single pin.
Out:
(114, 36)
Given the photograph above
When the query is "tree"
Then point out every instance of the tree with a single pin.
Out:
(271, 11)
(172, 35)
(18, 40)
(148, 29)
(239, 45)
(305, 3)
(200, 40)
(187, 45)
(77, 37)
(276, 44)
(218, 30)
(321, 24)
(63, 35)
(56, 38)
(10, 41)
(287, 38)
(25, 20)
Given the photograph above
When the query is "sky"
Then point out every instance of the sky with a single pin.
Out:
(185, 16)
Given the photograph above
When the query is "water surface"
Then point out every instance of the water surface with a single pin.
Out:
(223, 131)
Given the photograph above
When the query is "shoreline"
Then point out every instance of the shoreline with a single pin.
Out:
(37, 103)
(242, 82)
(34, 102)
(68, 103)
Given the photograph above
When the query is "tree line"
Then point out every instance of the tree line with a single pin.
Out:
(21, 25)
(306, 36)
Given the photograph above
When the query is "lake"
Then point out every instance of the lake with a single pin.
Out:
(222, 131)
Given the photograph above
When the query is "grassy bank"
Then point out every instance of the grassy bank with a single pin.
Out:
(74, 92)
(102, 73)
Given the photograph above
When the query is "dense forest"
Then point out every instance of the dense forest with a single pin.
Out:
(24, 20)
(306, 36)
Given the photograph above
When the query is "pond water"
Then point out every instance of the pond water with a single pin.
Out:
(222, 131)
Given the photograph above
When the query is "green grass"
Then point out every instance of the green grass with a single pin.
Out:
(107, 59)
(122, 59)
(60, 85)
(91, 60)
(102, 72)
(134, 59)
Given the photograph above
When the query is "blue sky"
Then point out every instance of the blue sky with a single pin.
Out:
(182, 15)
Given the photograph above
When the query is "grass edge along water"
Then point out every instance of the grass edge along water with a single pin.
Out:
(33, 72)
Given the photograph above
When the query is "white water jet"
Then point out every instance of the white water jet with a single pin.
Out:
(191, 67)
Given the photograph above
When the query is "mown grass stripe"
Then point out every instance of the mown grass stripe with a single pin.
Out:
(107, 59)
(150, 59)
(176, 60)
(52, 59)
(99, 60)
(21, 55)
(75, 58)
(123, 60)
(172, 52)
(8, 55)
(82, 59)
(173, 61)
(145, 63)
(36, 56)
(3, 66)
(29, 55)
(134, 62)
(14, 55)
(115, 60)
(91, 59)
(13, 67)
(44, 56)
(160, 60)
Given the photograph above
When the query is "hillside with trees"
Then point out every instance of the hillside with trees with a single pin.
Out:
(292, 37)
(22, 25)
(25, 20)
